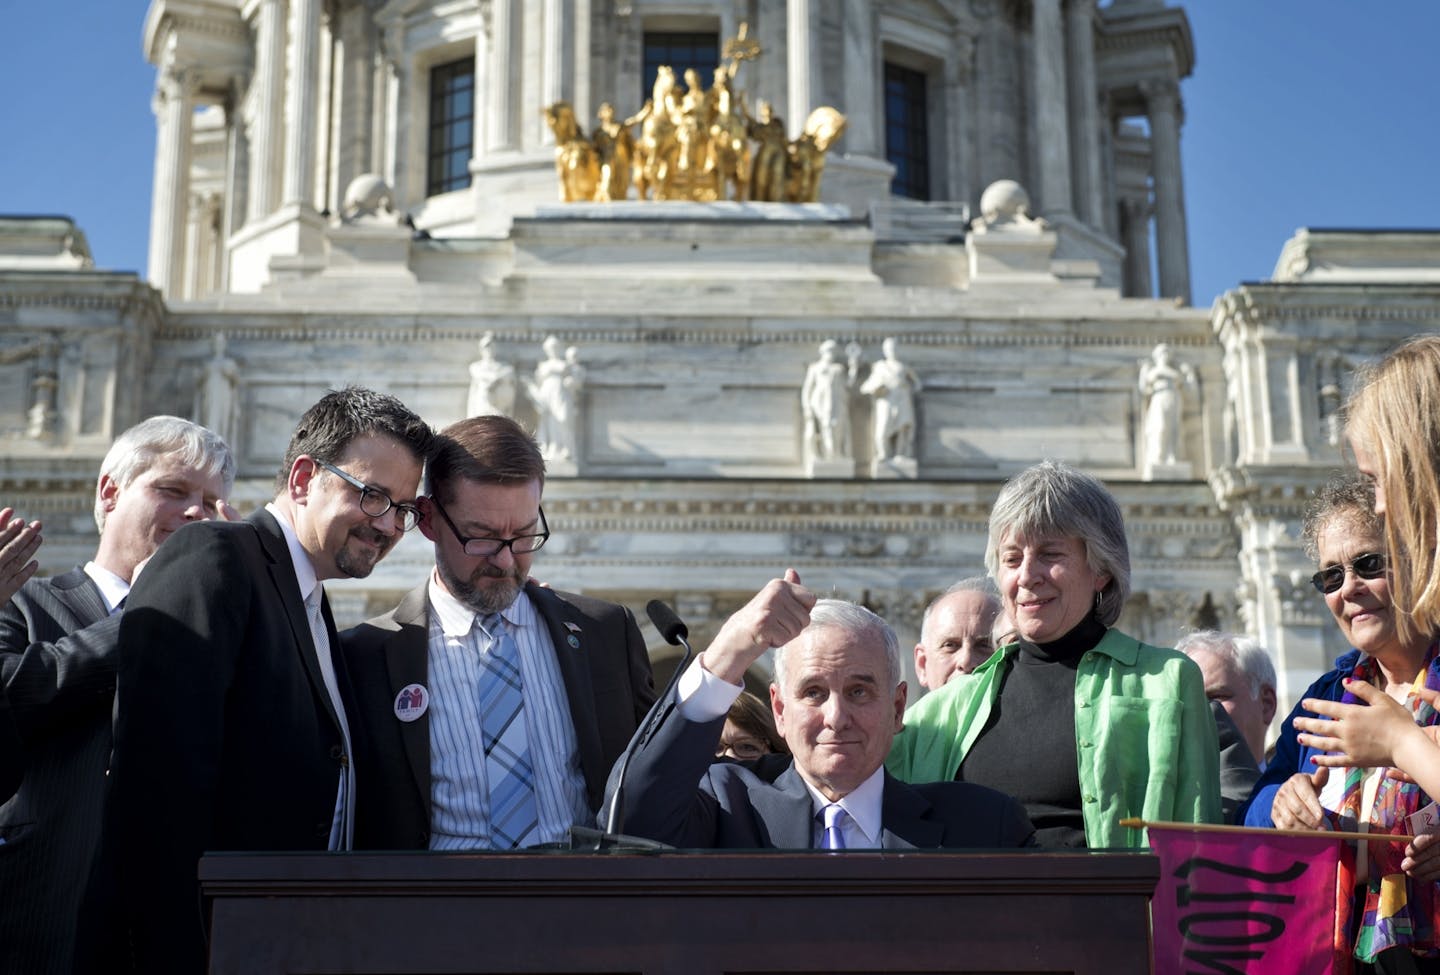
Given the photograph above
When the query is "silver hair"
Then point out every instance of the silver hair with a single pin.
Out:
(1247, 655)
(1054, 500)
(136, 449)
(1347, 500)
(856, 620)
(984, 585)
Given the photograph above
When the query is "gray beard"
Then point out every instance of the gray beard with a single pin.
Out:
(491, 599)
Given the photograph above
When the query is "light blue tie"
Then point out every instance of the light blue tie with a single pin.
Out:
(834, 839)
(508, 769)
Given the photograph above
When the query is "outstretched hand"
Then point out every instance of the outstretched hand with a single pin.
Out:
(1377, 733)
(775, 616)
(18, 544)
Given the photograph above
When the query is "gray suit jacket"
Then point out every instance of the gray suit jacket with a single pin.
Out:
(734, 808)
(57, 663)
(607, 679)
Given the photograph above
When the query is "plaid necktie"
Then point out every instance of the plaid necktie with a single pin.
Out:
(508, 769)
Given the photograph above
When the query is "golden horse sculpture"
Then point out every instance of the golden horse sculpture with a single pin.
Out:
(695, 144)
(577, 164)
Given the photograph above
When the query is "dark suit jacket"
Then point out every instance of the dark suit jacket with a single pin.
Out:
(57, 666)
(225, 737)
(1238, 769)
(734, 808)
(607, 682)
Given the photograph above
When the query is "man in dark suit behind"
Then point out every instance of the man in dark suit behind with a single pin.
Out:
(231, 729)
(838, 701)
(57, 663)
(421, 671)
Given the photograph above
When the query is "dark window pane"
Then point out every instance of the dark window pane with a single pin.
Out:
(907, 139)
(700, 51)
(451, 126)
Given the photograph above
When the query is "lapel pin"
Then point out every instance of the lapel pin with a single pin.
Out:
(412, 701)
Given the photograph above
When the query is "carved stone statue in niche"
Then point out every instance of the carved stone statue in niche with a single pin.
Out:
(217, 391)
(825, 401)
(893, 386)
(43, 415)
(492, 383)
(555, 392)
(1162, 386)
(1333, 372)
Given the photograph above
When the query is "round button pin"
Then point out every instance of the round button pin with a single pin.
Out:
(411, 702)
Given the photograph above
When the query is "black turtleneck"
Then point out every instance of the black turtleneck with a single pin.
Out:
(1027, 748)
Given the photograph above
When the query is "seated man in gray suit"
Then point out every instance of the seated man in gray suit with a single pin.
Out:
(57, 667)
(838, 701)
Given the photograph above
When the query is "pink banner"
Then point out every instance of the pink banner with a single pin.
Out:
(1242, 903)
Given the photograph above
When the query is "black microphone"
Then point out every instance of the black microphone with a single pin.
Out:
(670, 626)
(675, 632)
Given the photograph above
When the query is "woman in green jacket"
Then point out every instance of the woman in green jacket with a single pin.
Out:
(1080, 722)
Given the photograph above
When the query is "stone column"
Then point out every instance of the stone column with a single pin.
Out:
(1051, 129)
(1136, 228)
(1173, 250)
(861, 74)
(170, 199)
(1084, 111)
(357, 98)
(237, 175)
(481, 90)
(553, 63)
(952, 181)
(300, 110)
(500, 118)
(267, 107)
(800, 62)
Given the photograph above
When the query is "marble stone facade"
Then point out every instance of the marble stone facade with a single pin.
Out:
(695, 323)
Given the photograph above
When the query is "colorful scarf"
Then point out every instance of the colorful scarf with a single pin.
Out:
(1396, 912)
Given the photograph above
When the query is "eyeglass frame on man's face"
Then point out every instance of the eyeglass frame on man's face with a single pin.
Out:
(410, 514)
(1332, 577)
(540, 537)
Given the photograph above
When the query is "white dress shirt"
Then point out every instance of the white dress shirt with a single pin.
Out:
(342, 827)
(113, 589)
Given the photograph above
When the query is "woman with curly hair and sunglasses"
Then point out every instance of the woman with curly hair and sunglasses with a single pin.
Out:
(1346, 537)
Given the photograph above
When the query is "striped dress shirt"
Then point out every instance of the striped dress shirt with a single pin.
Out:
(459, 790)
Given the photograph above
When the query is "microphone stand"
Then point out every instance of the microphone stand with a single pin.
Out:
(611, 838)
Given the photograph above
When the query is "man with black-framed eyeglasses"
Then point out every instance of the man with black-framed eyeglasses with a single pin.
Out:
(494, 707)
(234, 728)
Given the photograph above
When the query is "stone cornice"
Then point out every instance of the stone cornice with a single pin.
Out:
(297, 327)
(127, 305)
(1267, 311)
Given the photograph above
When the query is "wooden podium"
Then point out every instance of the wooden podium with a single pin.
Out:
(690, 913)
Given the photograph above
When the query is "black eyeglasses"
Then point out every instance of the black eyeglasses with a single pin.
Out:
(375, 502)
(1371, 565)
(481, 547)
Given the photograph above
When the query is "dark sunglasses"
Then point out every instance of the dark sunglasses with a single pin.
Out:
(1371, 565)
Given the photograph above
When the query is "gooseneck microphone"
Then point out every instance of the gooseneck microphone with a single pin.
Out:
(675, 633)
(670, 626)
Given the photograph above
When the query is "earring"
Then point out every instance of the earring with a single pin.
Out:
(1098, 594)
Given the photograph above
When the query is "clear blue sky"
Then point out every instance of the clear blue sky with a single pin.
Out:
(1319, 113)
